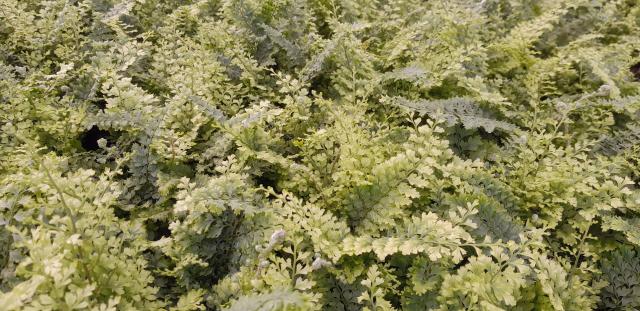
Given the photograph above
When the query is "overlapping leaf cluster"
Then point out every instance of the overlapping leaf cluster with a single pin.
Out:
(319, 155)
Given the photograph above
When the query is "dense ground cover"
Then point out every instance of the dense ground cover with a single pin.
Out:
(319, 154)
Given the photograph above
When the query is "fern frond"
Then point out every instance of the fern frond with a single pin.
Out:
(273, 301)
(457, 111)
(412, 73)
(324, 230)
(427, 234)
(621, 270)
(619, 142)
(314, 66)
(629, 227)
(293, 52)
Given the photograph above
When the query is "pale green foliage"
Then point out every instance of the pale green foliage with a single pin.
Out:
(373, 296)
(277, 300)
(484, 285)
(424, 234)
(457, 110)
(77, 254)
(319, 155)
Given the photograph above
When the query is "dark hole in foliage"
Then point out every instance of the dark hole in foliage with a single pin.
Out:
(635, 70)
(99, 100)
(101, 104)
(496, 136)
(463, 262)
(268, 179)
(121, 214)
(620, 120)
(320, 83)
(279, 104)
(281, 253)
(192, 164)
(158, 229)
(89, 139)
